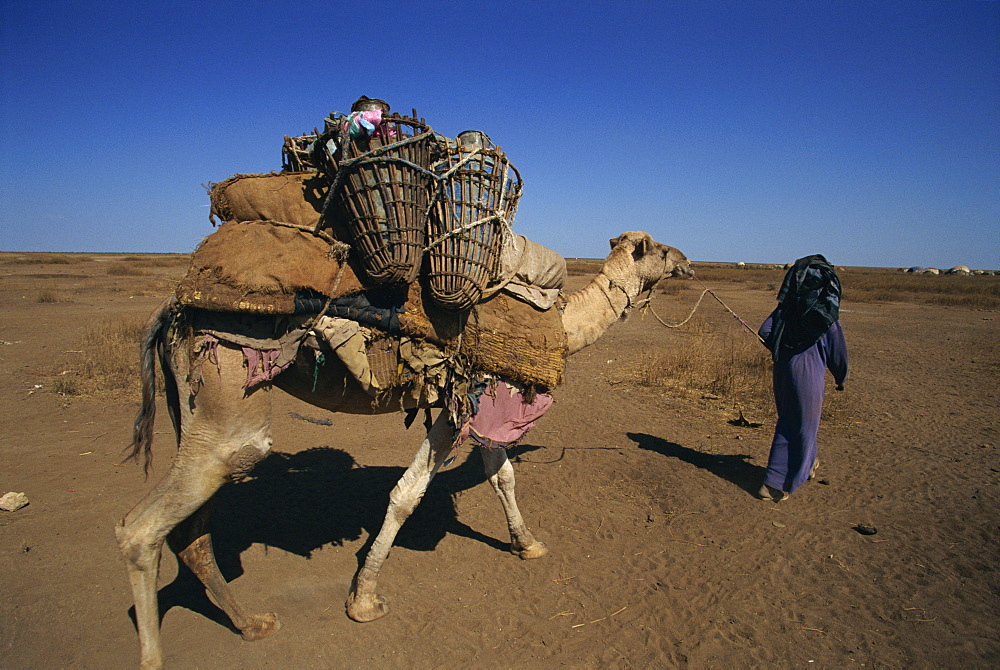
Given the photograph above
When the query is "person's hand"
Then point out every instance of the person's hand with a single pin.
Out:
(840, 387)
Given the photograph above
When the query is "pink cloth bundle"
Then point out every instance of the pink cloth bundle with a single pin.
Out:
(504, 417)
(367, 123)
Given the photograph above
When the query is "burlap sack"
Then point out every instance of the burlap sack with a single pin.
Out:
(532, 272)
(532, 264)
(259, 267)
(291, 197)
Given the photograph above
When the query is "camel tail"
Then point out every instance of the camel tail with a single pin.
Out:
(153, 343)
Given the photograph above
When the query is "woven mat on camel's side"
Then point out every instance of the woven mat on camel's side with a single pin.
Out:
(502, 335)
(259, 267)
(291, 197)
(513, 339)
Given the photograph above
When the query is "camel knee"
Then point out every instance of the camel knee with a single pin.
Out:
(140, 551)
(401, 509)
(406, 495)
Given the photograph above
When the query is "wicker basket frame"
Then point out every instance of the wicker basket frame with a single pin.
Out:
(474, 208)
(296, 153)
(382, 193)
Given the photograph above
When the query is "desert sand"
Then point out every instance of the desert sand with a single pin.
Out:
(660, 554)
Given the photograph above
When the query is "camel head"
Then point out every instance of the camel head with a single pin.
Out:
(653, 261)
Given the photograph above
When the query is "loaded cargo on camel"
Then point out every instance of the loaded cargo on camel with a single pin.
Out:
(376, 272)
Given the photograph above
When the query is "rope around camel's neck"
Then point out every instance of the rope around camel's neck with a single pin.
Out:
(612, 288)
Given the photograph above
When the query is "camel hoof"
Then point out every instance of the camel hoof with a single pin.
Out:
(535, 550)
(366, 608)
(260, 626)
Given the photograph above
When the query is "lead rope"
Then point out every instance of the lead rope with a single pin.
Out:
(736, 316)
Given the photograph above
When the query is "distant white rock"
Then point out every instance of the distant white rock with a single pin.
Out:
(11, 502)
(959, 270)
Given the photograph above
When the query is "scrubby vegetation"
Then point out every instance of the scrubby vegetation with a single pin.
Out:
(108, 359)
(42, 259)
(712, 357)
(715, 358)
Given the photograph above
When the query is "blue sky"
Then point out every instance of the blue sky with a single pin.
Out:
(867, 130)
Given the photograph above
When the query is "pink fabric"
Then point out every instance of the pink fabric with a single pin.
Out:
(504, 417)
(260, 365)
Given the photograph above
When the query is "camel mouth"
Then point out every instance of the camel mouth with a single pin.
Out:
(682, 272)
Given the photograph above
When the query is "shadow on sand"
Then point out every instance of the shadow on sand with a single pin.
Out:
(301, 502)
(734, 468)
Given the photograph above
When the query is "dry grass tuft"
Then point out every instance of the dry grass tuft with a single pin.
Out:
(126, 270)
(722, 363)
(109, 360)
(47, 295)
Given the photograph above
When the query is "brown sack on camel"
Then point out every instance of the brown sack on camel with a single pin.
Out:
(291, 197)
(258, 267)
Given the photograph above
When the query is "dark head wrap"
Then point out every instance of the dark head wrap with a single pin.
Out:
(808, 304)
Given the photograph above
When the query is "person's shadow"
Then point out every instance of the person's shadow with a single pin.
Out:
(734, 468)
(301, 502)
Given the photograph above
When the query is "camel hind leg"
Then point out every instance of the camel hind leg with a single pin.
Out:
(192, 542)
(224, 433)
(500, 473)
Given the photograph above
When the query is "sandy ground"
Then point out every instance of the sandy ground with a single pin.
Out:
(660, 554)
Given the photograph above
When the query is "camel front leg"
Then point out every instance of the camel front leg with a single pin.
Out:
(501, 476)
(192, 542)
(363, 603)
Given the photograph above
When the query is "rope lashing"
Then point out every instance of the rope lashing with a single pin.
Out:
(499, 216)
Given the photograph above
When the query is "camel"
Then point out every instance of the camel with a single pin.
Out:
(224, 430)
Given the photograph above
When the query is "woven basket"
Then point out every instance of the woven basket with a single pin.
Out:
(471, 217)
(382, 194)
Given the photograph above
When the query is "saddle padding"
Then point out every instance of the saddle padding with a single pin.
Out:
(259, 267)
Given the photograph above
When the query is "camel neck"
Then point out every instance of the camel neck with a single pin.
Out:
(593, 309)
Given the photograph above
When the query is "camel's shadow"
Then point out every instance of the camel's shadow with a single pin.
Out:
(300, 502)
(734, 468)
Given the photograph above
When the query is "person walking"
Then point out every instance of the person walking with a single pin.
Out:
(805, 338)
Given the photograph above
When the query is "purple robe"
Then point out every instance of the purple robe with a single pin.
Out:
(799, 386)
